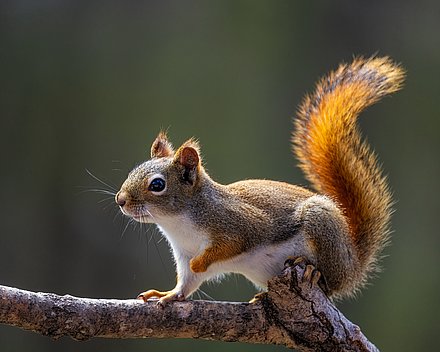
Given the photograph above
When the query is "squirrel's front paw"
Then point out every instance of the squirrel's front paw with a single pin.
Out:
(164, 297)
(198, 265)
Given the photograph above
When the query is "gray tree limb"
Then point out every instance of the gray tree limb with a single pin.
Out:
(294, 313)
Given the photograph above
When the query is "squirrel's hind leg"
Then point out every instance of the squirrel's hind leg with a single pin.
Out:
(327, 232)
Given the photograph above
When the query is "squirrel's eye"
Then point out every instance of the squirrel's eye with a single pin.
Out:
(157, 185)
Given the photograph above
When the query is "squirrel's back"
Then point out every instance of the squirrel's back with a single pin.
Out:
(337, 161)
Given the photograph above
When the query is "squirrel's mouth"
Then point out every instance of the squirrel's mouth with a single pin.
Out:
(143, 218)
(139, 215)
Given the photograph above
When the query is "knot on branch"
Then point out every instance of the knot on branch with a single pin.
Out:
(310, 321)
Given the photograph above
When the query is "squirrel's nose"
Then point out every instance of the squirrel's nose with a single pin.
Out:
(121, 198)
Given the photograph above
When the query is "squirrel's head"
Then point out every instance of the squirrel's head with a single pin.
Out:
(162, 185)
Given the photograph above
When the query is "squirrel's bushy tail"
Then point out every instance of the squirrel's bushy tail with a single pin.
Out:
(337, 161)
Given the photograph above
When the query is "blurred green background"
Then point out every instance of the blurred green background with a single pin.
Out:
(88, 84)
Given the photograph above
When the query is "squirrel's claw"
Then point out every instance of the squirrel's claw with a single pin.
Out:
(311, 274)
(258, 297)
(292, 262)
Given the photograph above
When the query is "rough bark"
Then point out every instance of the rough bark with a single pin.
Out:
(294, 312)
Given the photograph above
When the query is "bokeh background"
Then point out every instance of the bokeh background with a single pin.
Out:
(86, 85)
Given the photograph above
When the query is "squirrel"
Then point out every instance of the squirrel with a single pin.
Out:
(252, 227)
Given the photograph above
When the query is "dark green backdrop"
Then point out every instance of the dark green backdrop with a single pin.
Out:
(88, 84)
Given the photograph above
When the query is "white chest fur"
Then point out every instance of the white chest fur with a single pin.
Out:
(183, 236)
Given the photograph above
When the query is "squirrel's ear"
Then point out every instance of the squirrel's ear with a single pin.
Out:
(161, 147)
(188, 156)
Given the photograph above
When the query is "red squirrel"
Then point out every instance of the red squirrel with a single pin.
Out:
(251, 227)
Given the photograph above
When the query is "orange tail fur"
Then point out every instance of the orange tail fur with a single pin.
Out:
(334, 157)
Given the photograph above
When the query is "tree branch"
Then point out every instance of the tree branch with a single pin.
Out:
(293, 312)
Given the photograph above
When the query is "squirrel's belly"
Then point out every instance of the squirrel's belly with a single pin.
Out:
(264, 262)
